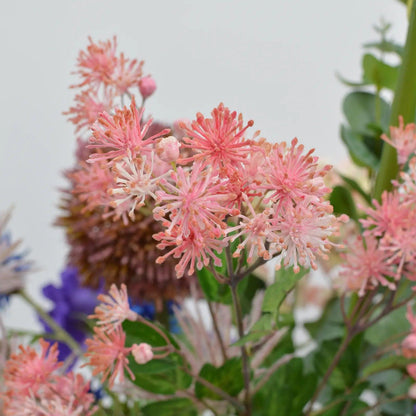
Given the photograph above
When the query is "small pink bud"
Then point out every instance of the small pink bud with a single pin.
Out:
(412, 391)
(142, 353)
(168, 149)
(147, 86)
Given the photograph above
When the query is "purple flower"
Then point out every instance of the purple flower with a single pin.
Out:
(72, 304)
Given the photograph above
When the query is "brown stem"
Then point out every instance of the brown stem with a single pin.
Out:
(244, 355)
(217, 330)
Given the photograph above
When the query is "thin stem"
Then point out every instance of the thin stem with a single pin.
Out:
(224, 395)
(404, 104)
(155, 328)
(244, 355)
(331, 368)
(60, 333)
(240, 276)
(217, 330)
(271, 370)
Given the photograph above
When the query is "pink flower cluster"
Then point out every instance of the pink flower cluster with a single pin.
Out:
(209, 187)
(107, 352)
(33, 386)
(388, 250)
(105, 75)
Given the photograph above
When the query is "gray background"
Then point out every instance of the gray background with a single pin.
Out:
(275, 61)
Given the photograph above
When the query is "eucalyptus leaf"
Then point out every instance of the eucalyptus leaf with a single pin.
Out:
(379, 73)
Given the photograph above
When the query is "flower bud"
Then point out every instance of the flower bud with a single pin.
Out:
(168, 149)
(142, 353)
(147, 86)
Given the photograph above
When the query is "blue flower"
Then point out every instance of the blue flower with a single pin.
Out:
(72, 304)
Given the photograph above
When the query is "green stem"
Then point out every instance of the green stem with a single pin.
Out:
(60, 333)
(404, 104)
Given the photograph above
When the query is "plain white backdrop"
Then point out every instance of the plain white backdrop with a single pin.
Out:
(274, 61)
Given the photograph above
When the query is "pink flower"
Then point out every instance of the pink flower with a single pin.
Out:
(168, 149)
(134, 183)
(366, 266)
(387, 217)
(403, 139)
(122, 135)
(218, 141)
(97, 63)
(195, 200)
(290, 175)
(142, 353)
(108, 355)
(28, 370)
(87, 108)
(114, 309)
(147, 86)
(195, 249)
(252, 230)
(300, 233)
(91, 183)
(127, 74)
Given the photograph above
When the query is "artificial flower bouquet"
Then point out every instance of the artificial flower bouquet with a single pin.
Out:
(191, 251)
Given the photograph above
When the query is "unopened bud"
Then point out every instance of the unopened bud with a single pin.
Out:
(147, 86)
(142, 353)
(168, 149)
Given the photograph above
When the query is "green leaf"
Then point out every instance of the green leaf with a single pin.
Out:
(285, 281)
(393, 324)
(228, 378)
(356, 187)
(386, 46)
(263, 327)
(359, 152)
(350, 83)
(137, 332)
(283, 394)
(213, 290)
(363, 109)
(379, 73)
(246, 291)
(345, 373)
(385, 363)
(172, 407)
(343, 202)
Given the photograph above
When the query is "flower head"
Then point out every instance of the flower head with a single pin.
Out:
(107, 354)
(218, 141)
(403, 138)
(122, 135)
(366, 266)
(29, 371)
(113, 309)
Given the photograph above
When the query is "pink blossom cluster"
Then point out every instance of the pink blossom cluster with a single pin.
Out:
(211, 186)
(105, 75)
(387, 250)
(34, 386)
(107, 351)
(226, 187)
